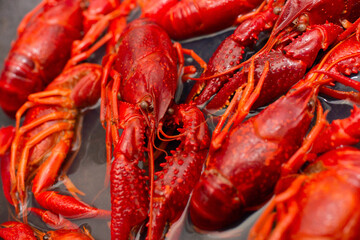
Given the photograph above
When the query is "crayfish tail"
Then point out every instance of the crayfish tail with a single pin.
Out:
(13, 88)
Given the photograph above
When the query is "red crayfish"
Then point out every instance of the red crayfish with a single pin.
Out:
(143, 74)
(190, 18)
(265, 143)
(45, 138)
(289, 60)
(234, 181)
(320, 203)
(47, 37)
(17, 231)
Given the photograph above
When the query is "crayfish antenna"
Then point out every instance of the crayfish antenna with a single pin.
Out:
(152, 174)
(264, 224)
(353, 27)
(353, 96)
(248, 97)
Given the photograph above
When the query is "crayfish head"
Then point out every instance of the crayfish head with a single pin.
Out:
(304, 13)
(150, 109)
(156, 108)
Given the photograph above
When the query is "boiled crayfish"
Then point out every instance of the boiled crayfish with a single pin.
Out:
(266, 144)
(188, 18)
(17, 231)
(138, 87)
(232, 185)
(47, 37)
(143, 74)
(45, 138)
(321, 203)
(289, 57)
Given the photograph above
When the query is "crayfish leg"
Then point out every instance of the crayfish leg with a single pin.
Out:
(69, 206)
(48, 171)
(53, 220)
(22, 169)
(339, 132)
(180, 51)
(247, 100)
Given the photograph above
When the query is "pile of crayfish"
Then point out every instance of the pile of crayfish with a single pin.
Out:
(183, 133)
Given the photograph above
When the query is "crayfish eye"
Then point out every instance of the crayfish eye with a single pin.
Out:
(144, 105)
(46, 237)
(301, 27)
(170, 111)
(277, 10)
(118, 96)
(302, 23)
(311, 104)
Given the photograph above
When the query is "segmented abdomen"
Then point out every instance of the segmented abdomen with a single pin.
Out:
(17, 81)
(40, 53)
